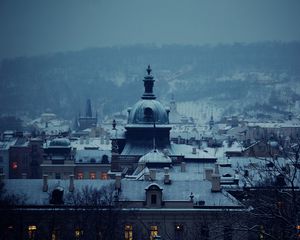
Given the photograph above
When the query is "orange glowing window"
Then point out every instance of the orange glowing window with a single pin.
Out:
(80, 175)
(14, 165)
(92, 175)
(103, 176)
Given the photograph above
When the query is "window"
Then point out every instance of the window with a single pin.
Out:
(153, 232)
(78, 233)
(92, 175)
(54, 235)
(57, 196)
(14, 165)
(153, 198)
(80, 175)
(261, 232)
(103, 176)
(31, 231)
(128, 232)
(148, 114)
(178, 227)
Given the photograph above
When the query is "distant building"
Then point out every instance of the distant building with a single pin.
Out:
(88, 120)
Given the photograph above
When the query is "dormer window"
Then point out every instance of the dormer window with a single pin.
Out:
(57, 196)
(148, 114)
(154, 195)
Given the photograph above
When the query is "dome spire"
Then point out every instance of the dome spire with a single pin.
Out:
(148, 85)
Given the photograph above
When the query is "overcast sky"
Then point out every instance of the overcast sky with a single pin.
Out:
(30, 27)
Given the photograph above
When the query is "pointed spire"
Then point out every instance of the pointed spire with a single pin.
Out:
(114, 124)
(148, 85)
(88, 110)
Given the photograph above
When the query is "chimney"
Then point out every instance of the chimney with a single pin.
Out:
(71, 186)
(152, 174)
(215, 183)
(118, 182)
(101, 140)
(208, 173)
(24, 175)
(183, 167)
(166, 170)
(217, 168)
(167, 178)
(236, 179)
(194, 150)
(45, 183)
(146, 176)
(87, 141)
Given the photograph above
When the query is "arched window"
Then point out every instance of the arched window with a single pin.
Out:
(148, 114)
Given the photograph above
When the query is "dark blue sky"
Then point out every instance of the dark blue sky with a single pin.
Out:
(30, 27)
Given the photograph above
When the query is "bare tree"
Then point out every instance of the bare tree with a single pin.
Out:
(271, 188)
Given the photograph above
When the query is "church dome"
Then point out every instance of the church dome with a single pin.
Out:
(147, 111)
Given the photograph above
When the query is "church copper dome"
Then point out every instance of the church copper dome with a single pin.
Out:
(148, 110)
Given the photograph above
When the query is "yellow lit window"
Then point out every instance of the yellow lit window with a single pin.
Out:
(31, 231)
(78, 233)
(261, 232)
(128, 232)
(153, 232)
(92, 175)
(103, 176)
(80, 175)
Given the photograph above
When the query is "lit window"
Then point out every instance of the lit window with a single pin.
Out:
(80, 175)
(103, 176)
(92, 175)
(31, 231)
(54, 235)
(78, 233)
(14, 165)
(153, 232)
(261, 232)
(128, 232)
(178, 227)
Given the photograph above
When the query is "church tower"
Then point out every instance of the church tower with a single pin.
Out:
(147, 119)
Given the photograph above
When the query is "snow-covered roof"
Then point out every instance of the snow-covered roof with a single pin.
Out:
(190, 152)
(92, 143)
(155, 156)
(91, 155)
(178, 191)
